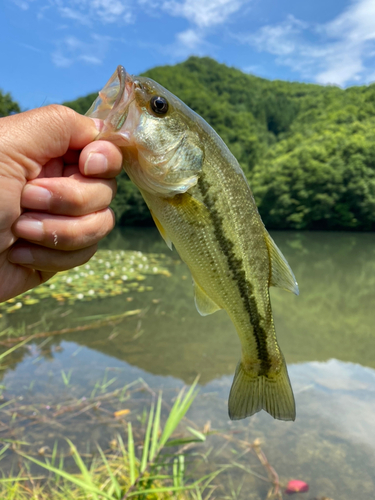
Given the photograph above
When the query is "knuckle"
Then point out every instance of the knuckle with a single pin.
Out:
(61, 111)
(60, 114)
(75, 234)
(79, 198)
(87, 230)
(59, 117)
(101, 223)
(110, 219)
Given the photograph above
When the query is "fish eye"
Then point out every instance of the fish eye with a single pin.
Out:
(159, 105)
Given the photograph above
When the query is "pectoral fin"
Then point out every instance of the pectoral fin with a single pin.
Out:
(162, 231)
(203, 303)
(281, 273)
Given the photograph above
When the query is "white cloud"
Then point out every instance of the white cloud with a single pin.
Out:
(357, 22)
(109, 11)
(190, 39)
(86, 11)
(31, 47)
(76, 15)
(23, 4)
(60, 60)
(203, 13)
(280, 39)
(203, 18)
(339, 53)
(71, 50)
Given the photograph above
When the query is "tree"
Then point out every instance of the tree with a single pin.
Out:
(7, 105)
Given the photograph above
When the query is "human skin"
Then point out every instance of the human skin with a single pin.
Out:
(56, 183)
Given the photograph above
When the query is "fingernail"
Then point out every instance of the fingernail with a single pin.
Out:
(36, 197)
(30, 229)
(21, 256)
(96, 163)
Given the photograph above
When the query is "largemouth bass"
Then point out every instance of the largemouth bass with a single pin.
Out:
(202, 204)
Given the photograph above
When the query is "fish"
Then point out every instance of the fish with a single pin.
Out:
(202, 205)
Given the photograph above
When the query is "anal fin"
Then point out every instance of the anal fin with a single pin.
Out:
(203, 303)
(162, 231)
(281, 273)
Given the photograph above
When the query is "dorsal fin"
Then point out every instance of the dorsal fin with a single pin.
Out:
(203, 303)
(162, 231)
(281, 274)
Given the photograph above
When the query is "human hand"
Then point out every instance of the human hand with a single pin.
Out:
(55, 188)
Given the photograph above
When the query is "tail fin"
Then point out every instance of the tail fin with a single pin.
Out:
(250, 394)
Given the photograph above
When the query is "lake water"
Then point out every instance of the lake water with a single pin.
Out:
(327, 335)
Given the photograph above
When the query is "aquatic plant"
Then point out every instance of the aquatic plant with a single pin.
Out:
(107, 274)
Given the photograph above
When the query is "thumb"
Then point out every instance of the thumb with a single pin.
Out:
(34, 137)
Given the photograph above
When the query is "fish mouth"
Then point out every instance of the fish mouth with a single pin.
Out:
(125, 84)
(113, 105)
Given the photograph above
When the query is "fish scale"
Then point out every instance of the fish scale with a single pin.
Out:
(202, 204)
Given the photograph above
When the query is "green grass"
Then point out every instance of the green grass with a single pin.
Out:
(155, 473)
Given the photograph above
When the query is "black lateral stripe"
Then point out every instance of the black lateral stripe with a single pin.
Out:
(238, 275)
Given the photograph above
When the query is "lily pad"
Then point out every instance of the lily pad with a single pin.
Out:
(103, 276)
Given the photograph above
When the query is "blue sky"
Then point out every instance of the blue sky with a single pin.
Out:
(56, 50)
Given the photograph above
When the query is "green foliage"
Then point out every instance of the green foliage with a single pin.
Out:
(7, 105)
(82, 104)
(321, 177)
(307, 150)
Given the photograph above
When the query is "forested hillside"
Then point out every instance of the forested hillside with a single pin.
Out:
(307, 150)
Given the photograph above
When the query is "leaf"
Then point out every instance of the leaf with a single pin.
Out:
(177, 413)
(73, 479)
(146, 443)
(115, 484)
(131, 454)
(196, 433)
(82, 467)
(155, 430)
(6, 353)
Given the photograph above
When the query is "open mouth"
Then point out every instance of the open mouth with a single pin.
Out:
(113, 105)
(116, 92)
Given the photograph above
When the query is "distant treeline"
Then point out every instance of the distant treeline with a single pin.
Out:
(7, 105)
(307, 150)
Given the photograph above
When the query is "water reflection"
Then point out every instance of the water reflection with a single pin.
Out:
(333, 317)
(331, 445)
